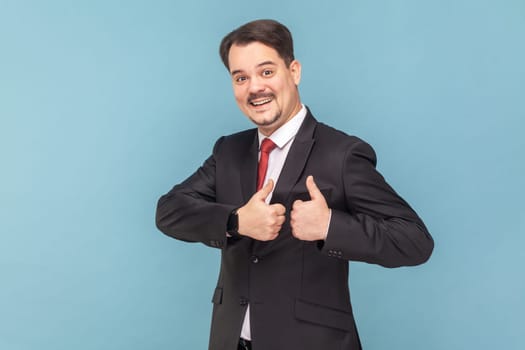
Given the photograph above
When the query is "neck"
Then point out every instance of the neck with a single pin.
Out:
(268, 130)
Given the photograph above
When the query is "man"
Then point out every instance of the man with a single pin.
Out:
(288, 214)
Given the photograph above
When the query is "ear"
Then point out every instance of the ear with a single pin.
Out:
(295, 70)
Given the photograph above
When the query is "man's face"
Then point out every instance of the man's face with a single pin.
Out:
(264, 88)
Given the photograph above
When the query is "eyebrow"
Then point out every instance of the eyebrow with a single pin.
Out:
(265, 63)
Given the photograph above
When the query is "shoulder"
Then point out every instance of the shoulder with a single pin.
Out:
(236, 141)
(334, 140)
(242, 136)
(338, 138)
(326, 133)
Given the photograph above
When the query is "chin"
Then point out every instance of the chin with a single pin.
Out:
(266, 121)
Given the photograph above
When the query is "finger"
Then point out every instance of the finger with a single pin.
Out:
(279, 209)
(292, 223)
(274, 233)
(296, 203)
(266, 190)
(293, 214)
(313, 190)
(294, 233)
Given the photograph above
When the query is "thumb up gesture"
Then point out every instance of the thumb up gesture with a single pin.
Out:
(309, 219)
(259, 220)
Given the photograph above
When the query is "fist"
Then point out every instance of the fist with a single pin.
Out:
(259, 220)
(309, 219)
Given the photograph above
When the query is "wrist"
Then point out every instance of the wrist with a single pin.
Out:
(232, 226)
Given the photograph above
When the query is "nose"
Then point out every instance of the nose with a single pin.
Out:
(256, 85)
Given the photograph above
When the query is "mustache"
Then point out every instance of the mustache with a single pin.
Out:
(252, 97)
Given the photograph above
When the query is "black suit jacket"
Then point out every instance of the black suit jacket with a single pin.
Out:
(297, 291)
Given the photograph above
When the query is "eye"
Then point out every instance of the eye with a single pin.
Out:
(240, 79)
(267, 72)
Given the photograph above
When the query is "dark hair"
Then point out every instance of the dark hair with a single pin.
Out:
(265, 31)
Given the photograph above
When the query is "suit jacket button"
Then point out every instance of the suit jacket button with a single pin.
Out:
(254, 259)
(243, 301)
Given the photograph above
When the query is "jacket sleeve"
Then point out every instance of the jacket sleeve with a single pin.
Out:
(378, 226)
(189, 212)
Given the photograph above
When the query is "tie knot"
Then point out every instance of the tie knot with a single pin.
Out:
(267, 145)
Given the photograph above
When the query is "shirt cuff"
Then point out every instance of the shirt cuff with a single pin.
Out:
(328, 225)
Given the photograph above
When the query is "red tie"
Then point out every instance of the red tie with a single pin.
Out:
(267, 146)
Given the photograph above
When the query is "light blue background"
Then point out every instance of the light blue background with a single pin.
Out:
(105, 105)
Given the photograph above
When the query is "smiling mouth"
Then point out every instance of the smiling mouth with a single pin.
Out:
(260, 99)
(261, 102)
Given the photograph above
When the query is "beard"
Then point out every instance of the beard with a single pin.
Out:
(268, 122)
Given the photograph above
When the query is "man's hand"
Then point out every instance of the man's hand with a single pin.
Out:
(259, 220)
(309, 219)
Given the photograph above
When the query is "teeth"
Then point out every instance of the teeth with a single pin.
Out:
(261, 102)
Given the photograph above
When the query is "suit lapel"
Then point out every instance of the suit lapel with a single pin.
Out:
(295, 160)
(248, 169)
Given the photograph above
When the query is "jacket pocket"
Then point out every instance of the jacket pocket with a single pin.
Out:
(217, 296)
(323, 315)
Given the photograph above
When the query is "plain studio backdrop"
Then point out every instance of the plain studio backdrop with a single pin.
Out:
(104, 105)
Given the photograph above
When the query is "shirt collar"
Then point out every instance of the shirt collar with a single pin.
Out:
(286, 132)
